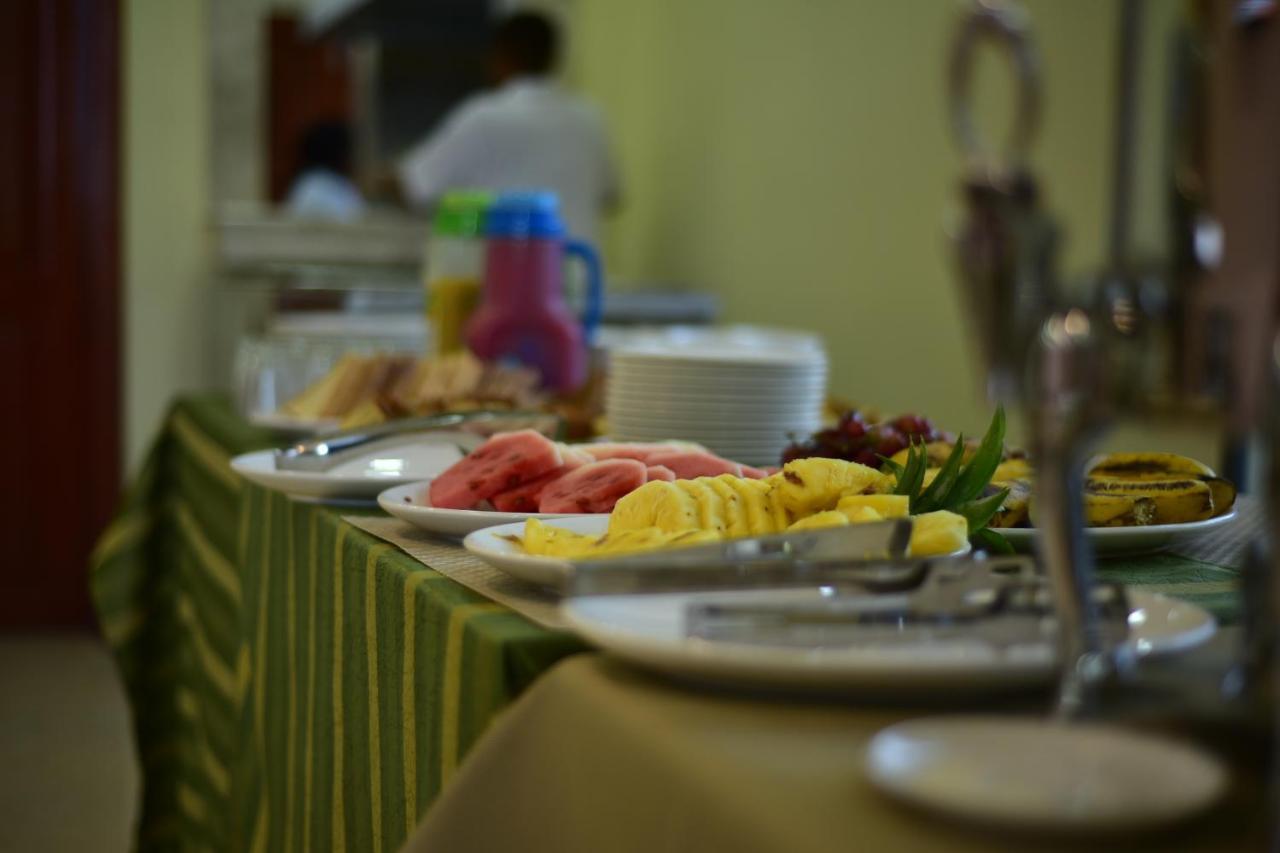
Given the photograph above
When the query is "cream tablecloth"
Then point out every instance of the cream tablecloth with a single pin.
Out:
(600, 758)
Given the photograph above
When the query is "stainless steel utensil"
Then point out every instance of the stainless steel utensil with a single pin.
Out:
(1002, 604)
(327, 451)
(871, 554)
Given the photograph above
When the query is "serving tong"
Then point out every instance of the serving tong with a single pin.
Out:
(1002, 603)
(467, 429)
(869, 589)
(871, 555)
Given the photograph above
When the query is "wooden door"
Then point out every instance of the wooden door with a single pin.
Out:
(59, 301)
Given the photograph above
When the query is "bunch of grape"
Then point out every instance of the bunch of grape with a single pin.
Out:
(854, 439)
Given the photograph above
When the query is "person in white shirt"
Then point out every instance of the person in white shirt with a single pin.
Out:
(323, 188)
(528, 133)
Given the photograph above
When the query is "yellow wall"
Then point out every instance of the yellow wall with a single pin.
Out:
(165, 204)
(795, 159)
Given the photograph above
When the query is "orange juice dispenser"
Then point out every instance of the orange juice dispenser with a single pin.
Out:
(455, 266)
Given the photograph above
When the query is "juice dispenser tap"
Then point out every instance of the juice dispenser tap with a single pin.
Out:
(1076, 368)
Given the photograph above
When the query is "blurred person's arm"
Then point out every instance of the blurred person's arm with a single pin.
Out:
(439, 163)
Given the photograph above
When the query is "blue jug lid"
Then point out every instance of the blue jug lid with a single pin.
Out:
(524, 213)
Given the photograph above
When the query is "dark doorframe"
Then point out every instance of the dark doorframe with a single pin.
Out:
(59, 301)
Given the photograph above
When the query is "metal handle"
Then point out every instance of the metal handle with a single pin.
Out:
(323, 453)
(595, 287)
(1005, 25)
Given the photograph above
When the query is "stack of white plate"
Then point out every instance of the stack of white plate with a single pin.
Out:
(741, 392)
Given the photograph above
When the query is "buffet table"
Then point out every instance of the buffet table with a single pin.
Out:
(598, 756)
(299, 684)
(296, 684)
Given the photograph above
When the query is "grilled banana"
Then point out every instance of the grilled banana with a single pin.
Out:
(1016, 506)
(1147, 466)
(1118, 510)
(1224, 494)
(1109, 511)
(1176, 500)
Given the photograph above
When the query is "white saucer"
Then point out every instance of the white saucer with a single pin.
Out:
(1035, 774)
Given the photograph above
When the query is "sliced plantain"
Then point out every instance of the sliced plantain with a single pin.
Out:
(1118, 510)
(1014, 469)
(1147, 466)
(1017, 505)
(1224, 494)
(1176, 500)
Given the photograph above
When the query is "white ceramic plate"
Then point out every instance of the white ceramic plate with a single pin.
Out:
(649, 631)
(496, 547)
(293, 424)
(1038, 775)
(412, 504)
(359, 479)
(1125, 540)
(723, 424)
(758, 385)
(758, 356)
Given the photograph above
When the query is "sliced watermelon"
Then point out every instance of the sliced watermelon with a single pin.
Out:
(754, 473)
(689, 465)
(593, 488)
(641, 450)
(524, 497)
(619, 450)
(660, 472)
(503, 462)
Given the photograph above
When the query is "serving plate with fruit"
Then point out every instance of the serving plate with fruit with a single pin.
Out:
(1133, 502)
(519, 475)
(806, 494)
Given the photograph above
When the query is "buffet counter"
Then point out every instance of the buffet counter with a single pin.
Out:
(298, 684)
(598, 756)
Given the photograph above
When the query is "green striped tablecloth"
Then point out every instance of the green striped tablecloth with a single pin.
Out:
(296, 684)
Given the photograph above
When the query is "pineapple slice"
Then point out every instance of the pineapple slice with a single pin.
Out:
(711, 509)
(658, 504)
(940, 532)
(755, 504)
(815, 484)
(885, 506)
(735, 513)
(820, 520)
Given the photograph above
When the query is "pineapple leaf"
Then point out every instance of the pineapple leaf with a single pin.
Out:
(891, 467)
(912, 473)
(974, 478)
(935, 496)
(992, 541)
(978, 512)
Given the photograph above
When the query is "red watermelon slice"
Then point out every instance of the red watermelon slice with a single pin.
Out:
(641, 450)
(619, 450)
(593, 488)
(689, 465)
(660, 472)
(754, 473)
(503, 462)
(524, 497)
